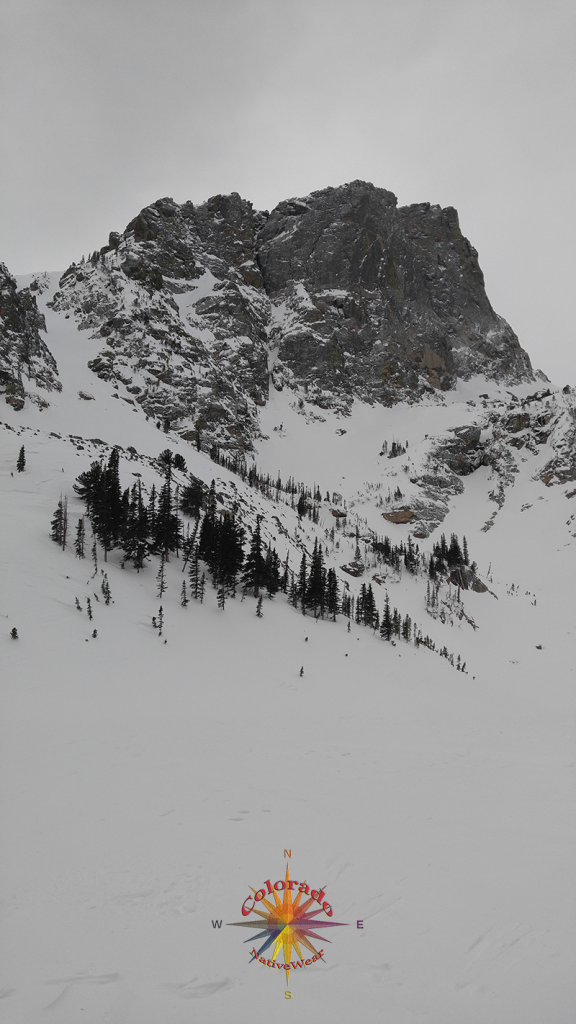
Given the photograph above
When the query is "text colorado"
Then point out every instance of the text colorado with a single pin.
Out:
(316, 894)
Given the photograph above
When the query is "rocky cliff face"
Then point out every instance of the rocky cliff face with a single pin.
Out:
(339, 296)
(383, 303)
(179, 304)
(24, 356)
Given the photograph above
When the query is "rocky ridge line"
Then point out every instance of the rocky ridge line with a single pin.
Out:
(339, 296)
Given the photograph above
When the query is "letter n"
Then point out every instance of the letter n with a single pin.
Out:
(287, 853)
(216, 924)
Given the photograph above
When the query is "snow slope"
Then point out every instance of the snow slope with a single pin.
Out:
(146, 785)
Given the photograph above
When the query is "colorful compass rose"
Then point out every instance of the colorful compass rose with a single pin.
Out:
(287, 923)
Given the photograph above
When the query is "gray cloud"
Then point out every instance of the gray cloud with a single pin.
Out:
(109, 104)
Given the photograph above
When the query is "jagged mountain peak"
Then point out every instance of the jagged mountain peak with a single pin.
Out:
(341, 295)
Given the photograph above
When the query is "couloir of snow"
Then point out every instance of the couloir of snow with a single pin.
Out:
(146, 786)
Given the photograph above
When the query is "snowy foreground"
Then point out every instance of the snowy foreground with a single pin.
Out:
(146, 786)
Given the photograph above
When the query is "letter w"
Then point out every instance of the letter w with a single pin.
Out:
(216, 924)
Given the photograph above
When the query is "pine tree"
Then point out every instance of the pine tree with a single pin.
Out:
(273, 581)
(221, 596)
(21, 463)
(386, 626)
(254, 574)
(160, 620)
(166, 463)
(202, 587)
(95, 559)
(332, 595)
(106, 505)
(161, 578)
(183, 595)
(316, 584)
(78, 605)
(396, 622)
(152, 511)
(259, 612)
(135, 542)
(302, 583)
(194, 573)
(105, 588)
(192, 498)
(168, 528)
(59, 524)
(79, 539)
(369, 612)
(14, 633)
(89, 608)
(87, 485)
(229, 554)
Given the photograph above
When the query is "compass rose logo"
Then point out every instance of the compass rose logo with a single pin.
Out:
(287, 923)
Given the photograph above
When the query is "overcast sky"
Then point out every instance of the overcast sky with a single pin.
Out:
(107, 105)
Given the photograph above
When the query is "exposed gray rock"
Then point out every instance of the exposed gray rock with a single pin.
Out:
(384, 303)
(179, 304)
(460, 450)
(339, 295)
(23, 353)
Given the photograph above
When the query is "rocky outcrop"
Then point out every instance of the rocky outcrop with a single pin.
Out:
(24, 357)
(340, 295)
(460, 449)
(178, 302)
(379, 302)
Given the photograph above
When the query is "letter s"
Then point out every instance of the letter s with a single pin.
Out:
(287, 994)
(245, 913)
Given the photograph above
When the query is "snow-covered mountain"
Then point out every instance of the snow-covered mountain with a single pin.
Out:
(333, 377)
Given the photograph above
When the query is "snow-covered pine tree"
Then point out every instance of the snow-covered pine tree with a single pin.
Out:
(194, 573)
(21, 462)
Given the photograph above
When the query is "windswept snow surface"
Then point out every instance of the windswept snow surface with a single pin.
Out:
(146, 786)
